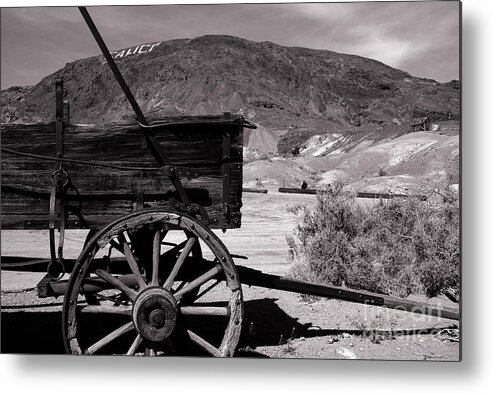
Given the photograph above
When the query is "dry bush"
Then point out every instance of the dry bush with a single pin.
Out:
(398, 246)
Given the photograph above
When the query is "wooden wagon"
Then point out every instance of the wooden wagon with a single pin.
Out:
(152, 269)
(105, 178)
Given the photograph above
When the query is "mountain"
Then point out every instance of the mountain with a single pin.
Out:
(283, 89)
(349, 116)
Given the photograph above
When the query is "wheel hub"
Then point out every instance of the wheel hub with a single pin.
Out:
(154, 313)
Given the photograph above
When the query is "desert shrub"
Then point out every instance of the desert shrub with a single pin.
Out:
(398, 246)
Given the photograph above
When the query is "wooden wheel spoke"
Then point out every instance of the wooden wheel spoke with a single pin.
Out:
(156, 252)
(204, 344)
(206, 310)
(196, 250)
(198, 281)
(116, 283)
(97, 309)
(117, 246)
(174, 250)
(184, 254)
(110, 337)
(132, 263)
(135, 345)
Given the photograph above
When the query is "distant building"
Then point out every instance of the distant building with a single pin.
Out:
(421, 124)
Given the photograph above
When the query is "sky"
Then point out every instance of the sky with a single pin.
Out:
(421, 38)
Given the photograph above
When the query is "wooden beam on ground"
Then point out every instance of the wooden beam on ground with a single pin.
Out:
(255, 190)
(253, 277)
(298, 190)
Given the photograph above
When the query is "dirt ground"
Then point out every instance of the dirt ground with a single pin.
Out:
(277, 324)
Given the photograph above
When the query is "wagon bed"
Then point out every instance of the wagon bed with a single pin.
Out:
(113, 171)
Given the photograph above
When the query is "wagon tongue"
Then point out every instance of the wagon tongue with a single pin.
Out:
(112, 64)
(155, 147)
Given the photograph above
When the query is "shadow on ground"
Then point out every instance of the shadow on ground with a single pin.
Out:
(264, 324)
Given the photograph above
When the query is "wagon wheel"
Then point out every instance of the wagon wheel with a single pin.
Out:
(148, 299)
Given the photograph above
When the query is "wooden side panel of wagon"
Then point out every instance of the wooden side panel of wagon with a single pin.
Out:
(117, 171)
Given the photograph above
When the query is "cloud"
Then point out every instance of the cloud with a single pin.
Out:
(400, 34)
(394, 52)
(324, 11)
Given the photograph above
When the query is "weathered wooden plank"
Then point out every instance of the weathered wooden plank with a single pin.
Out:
(123, 142)
(195, 149)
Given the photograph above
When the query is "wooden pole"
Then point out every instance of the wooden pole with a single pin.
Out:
(113, 66)
(257, 278)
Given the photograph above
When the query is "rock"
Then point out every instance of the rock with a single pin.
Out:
(332, 340)
(347, 353)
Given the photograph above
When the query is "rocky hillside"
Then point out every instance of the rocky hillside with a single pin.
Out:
(349, 116)
(280, 88)
(413, 163)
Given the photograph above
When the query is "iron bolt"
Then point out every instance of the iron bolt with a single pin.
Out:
(157, 318)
